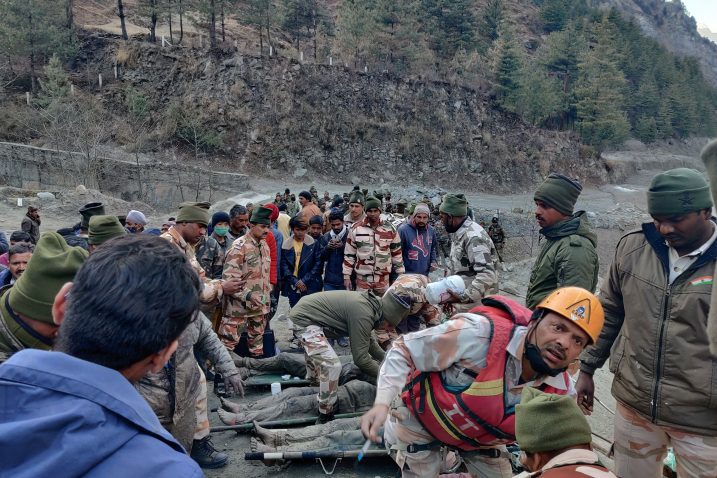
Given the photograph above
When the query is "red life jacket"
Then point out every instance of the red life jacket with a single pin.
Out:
(477, 415)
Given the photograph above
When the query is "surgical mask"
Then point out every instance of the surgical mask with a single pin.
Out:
(221, 230)
(532, 353)
(132, 230)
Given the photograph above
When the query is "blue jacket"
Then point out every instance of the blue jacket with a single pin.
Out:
(279, 238)
(5, 277)
(333, 260)
(309, 266)
(418, 248)
(62, 416)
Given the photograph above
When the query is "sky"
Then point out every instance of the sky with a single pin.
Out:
(704, 11)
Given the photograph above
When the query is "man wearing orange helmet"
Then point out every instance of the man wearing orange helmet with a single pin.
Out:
(456, 385)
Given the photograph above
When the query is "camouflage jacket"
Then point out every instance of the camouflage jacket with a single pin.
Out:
(350, 222)
(211, 288)
(412, 289)
(473, 257)
(211, 257)
(372, 252)
(172, 392)
(495, 231)
(250, 260)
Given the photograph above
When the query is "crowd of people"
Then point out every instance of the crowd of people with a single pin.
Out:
(111, 329)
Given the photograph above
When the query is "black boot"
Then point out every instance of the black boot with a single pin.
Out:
(204, 453)
(324, 418)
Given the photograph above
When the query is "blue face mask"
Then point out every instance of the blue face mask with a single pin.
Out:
(133, 229)
(221, 230)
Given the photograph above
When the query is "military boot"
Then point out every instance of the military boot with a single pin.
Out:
(204, 453)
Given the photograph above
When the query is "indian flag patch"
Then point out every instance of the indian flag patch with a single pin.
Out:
(704, 280)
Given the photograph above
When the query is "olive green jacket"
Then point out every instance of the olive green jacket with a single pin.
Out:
(345, 313)
(661, 359)
(567, 258)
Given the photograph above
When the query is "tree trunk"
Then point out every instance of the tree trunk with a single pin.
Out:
(31, 36)
(222, 13)
(68, 12)
(261, 40)
(121, 15)
(169, 11)
(212, 25)
(181, 24)
(153, 21)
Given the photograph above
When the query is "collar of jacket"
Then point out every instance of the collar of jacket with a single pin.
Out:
(288, 245)
(564, 228)
(657, 242)
(178, 239)
(17, 327)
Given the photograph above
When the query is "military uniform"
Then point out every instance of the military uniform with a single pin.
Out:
(247, 259)
(497, 235)
(443, 238)
(372, 253)
(210, 255)
(473, 257)
(211, 288)
(412, 289)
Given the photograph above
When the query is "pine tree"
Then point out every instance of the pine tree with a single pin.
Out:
(55, 86)
(34, 30)
(492, 18)
(600, 97)
(541, 95)
(508, 82)
(356, 26)
(451, 26)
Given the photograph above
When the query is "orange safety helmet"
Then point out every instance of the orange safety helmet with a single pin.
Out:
(579, 306)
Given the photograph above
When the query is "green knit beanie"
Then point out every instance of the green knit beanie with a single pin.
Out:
(261, 215)
(356, 197)
(394, 308)
(454, 205)
(548, 422)
(678, 191)
(104, 228)
(559, 192)
(52, 265)
(372, 202)
(196, 212)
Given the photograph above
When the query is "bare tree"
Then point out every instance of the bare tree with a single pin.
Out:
(121, 15)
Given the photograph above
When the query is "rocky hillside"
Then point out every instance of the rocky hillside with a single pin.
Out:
(669, 24)
(279, 117)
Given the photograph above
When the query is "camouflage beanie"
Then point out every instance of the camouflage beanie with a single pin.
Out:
(454, 205)
(559, 192)
(678, 191)
(372, 202)
(53, 264)
(104, 228)
(194, 212)
(548, 422)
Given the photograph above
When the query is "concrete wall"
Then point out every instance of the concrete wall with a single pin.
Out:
(158, 184)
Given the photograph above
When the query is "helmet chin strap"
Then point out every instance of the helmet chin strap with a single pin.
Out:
(535, 358)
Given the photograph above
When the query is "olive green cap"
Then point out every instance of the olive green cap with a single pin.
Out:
(104, 228)
(195, 212)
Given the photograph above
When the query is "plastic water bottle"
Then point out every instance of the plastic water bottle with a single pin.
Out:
(669, 460)
(275, 388)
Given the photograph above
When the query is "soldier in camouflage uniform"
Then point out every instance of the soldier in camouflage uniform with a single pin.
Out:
(372, 251)
(412, 289)
(444, 241)
(190, 226)
(210, 256)
(472, 256)
(249, 259)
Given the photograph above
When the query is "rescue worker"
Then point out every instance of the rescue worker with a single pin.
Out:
(555, 438)
(456, 384)
(657, 300)
(497, 235)
(337, 314)
(568, 256)
(372, 251)
(472, 255)
(356, 210)
(248, 259)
